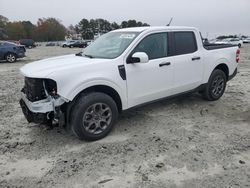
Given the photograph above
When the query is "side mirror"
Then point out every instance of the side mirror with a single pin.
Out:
(139, 57)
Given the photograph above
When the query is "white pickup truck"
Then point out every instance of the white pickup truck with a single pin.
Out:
(120, 70)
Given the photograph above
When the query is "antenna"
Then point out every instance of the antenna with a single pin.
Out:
(170, 21)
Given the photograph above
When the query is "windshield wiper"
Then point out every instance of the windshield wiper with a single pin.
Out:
(86, 55)
(89, 56)
(79, 54)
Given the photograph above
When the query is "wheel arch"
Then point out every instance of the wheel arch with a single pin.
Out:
(9, 52)
(102, 89)
(223, 67)
(107, 90)
(96, 88)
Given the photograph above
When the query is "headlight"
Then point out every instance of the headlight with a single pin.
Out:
(51, 87)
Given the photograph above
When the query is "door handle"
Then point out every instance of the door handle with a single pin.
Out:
(196, 58)
(164, 64)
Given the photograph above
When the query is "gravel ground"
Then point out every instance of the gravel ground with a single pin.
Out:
(183, 142)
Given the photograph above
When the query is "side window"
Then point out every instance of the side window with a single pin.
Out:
(155, 46)
(185, 43)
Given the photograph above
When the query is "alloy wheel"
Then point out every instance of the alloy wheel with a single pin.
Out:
(97, 118)
(10, 58)
(218, 86)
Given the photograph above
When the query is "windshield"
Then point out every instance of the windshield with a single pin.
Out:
(110, 45)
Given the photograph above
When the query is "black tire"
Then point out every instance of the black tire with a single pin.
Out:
(10, 57)
(64, 46)
(90, 124)
(216, 85)
(239, 45)
(71, 46)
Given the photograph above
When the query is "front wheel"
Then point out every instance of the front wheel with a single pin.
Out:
(216, 85)
(10, 57)
(93, 116)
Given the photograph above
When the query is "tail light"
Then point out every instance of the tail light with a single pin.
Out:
(238, 56)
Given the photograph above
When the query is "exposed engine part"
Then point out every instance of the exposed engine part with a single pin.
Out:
(38, 89)
(40, 102)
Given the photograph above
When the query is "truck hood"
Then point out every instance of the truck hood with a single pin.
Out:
(43, 68)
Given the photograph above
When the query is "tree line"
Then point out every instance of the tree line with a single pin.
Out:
(51, 29)
(89, 28)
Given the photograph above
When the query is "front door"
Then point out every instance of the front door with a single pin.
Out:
(153, 80)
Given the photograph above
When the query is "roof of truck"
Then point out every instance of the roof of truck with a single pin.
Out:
(153, 28)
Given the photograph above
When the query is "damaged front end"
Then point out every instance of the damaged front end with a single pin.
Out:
(40, 102)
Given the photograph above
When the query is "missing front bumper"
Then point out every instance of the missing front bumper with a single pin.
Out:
(41, 111)
(43, 106)
(40, 118)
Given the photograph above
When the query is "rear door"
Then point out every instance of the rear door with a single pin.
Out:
(188, 61)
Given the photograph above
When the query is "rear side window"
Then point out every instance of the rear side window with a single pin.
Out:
(185, 43)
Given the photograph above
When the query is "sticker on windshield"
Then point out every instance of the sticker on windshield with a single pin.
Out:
(127, 36)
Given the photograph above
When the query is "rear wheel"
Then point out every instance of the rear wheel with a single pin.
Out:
(93, 116)
(216, 85)
(239, 45)
(10, 57)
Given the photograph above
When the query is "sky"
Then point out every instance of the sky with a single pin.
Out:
(212, 17)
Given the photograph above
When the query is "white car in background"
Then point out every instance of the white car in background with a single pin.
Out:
(67, 43)
(233, 41)
(246, 40)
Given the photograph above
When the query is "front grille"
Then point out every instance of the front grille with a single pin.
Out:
(34, 89)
